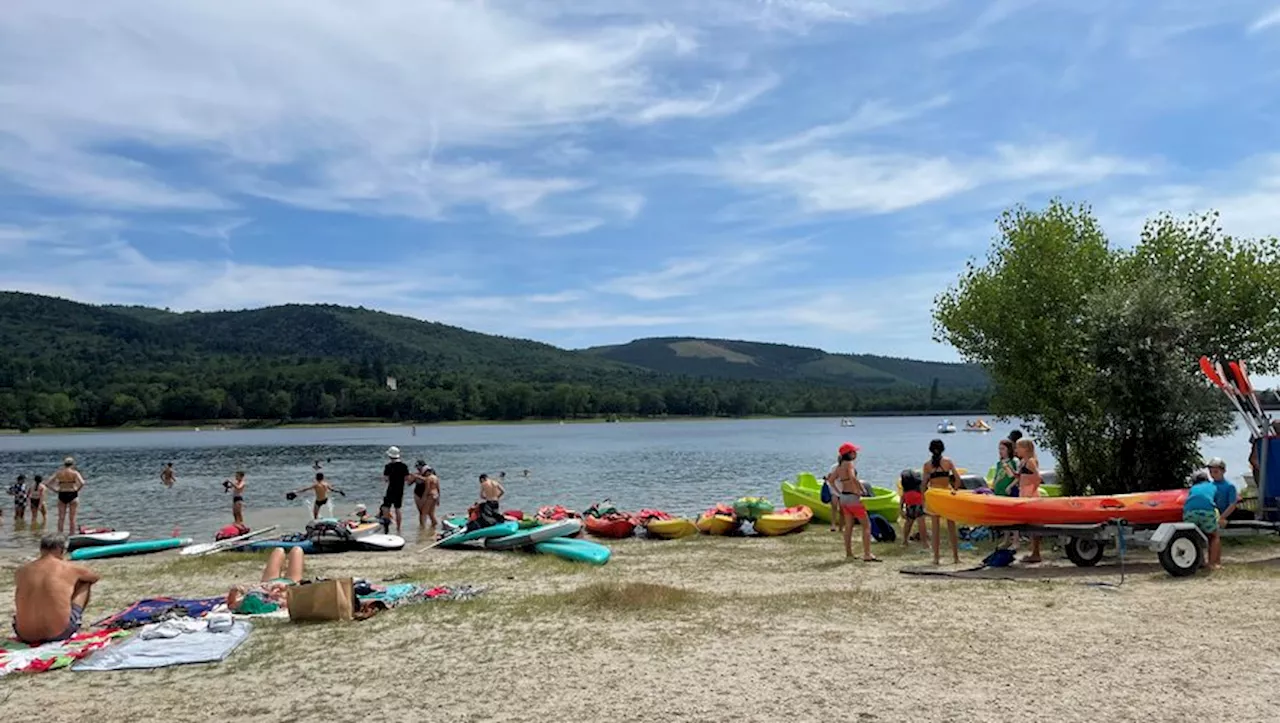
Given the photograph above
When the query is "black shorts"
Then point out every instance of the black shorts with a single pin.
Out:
(236, 499)
(67, 498)
(394, 497)
(320, 503)
(35, 504)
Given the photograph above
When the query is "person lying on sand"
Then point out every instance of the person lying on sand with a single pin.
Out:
(279, 574)
(50, 595)
(321, 488)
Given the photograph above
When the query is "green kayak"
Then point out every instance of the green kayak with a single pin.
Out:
(807, 491)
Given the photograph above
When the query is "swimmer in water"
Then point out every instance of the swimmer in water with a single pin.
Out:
(36, 499)
(167, 476)
(236, 488)
(67, 482)
(321, 488)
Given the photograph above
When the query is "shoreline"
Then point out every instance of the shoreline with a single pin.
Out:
(365, 423)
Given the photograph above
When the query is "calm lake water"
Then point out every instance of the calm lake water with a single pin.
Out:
(682, 467)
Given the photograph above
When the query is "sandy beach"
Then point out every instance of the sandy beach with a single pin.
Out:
(712, 629)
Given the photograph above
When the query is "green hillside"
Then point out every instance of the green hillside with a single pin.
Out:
(726, 359)
(68, 364)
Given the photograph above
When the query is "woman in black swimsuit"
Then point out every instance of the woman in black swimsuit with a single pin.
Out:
(68, 483)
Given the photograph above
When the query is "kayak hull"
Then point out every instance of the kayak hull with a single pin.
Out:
(784, 522)
(615, 529)
(671, 529)
(567, 548)
(143, 547)
(716, 524)
(532, 536)
(1141, 508)
(884, 502)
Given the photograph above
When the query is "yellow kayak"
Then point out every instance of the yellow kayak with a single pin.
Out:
(783, 521)
(671, 529)
(716, 524)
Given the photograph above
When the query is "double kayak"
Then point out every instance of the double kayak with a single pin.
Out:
(807, 491)
(1139, 508)
(783, 522)
(458, 539)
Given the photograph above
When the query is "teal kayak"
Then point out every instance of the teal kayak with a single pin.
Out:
(534, 535)
(574, 550)
(130, 548)
(502, 529)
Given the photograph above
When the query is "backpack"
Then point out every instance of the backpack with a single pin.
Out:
(881, 530)
(826, 493)
(1002, 557)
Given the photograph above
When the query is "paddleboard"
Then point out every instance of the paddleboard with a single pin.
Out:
(379, 543)
(502, 529)
(130, 548)
(209, 548)
(96, 539)
(534, 535)
(574, 550)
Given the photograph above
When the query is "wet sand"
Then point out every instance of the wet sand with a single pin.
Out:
(712, 629)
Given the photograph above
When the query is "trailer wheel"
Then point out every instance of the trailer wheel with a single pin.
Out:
(1182, 556)
(1084, 552)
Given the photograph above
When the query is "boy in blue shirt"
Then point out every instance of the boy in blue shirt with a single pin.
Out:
(1225, 498)
(1199, 509)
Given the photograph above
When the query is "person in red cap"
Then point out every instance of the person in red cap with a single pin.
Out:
(849, 491)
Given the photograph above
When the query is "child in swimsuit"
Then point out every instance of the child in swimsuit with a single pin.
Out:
(321, 489)
(36, 500)
(18, 491)
(912, 506)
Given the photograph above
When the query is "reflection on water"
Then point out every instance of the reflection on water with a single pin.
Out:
(682, 467)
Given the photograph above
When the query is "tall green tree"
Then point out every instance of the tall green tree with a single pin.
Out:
(1096, 345)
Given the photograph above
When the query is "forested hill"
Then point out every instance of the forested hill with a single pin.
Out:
(63, 363)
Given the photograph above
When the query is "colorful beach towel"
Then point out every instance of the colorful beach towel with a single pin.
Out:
(18, 657)
(154, 609)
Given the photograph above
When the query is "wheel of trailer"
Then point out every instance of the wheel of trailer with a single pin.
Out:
(1084, 552)
(1183, 555)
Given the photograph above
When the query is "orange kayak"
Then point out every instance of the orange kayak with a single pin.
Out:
(1139, 508)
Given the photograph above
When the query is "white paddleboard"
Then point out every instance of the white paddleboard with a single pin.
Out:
(378, 543)
(97, 539)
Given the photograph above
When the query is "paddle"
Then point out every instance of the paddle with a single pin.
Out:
(1215, 377)
(1246, 388)
(1260, 421)
(208, 548)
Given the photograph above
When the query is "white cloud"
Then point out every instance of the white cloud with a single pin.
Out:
(716, 103)
(1266, 22)
(692, 275)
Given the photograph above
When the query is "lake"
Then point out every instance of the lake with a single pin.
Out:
(679, 466)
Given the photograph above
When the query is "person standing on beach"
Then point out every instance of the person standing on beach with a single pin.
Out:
(1225, 498)
(849, 491)
(236, 488)
(1029, 481)
(393, 475)
(167, 477)
(912, 506)
(35, 498)
(1006, 473)
(67, 482)
(940, 473)
(426, 493)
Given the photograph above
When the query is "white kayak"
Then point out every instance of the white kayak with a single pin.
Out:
(96, 539)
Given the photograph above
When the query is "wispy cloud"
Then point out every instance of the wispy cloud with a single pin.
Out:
(1266, 22)
(688, 275)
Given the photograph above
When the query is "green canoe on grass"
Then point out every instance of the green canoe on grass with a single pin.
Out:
(807, 491)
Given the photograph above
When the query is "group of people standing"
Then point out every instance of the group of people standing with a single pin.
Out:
(65, 483)
(1017, 475)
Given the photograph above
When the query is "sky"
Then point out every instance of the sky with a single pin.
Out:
(808, 172)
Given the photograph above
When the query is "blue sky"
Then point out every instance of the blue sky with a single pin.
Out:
(802, 171)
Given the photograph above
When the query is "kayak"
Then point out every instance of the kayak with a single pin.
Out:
(130, 548)
(710, 524)
(749, 508)
(378, 543)
(806, 491)
(1140, 508)
(96, 539)
(671, 529)
(615, 528)
(783, 521)
(574, 550)
(501, 529)
(534, 535)
(1047, 488)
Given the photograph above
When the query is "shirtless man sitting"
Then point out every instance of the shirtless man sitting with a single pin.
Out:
(51, 595)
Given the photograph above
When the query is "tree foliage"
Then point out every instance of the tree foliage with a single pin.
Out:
(1098, 345)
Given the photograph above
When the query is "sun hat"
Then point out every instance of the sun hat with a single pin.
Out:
(69, 461)
(847, 448)
(393, 452)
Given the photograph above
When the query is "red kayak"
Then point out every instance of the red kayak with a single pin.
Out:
(612, 527)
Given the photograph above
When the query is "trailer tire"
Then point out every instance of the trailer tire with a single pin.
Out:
(1183, 555)
(1084, 552)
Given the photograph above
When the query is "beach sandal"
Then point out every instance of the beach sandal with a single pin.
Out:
(1029, 560)
(872, 559)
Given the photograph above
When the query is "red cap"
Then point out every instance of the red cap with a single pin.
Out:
(847, 447)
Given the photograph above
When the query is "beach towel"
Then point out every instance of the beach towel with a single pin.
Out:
(161, 645)
(18, 657)
(153, 609)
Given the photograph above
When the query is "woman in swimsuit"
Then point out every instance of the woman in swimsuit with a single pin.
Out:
(426, 493)
(846, 487)
(67, 482)
(940, 473)
(236, 488)
(1029, 480)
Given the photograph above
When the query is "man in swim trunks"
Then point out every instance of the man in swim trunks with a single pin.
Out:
(67, 482)
(236, 488)
(394, 474)
(167, 477)
(35, 497)
(50, 595)
(321, 488)
(279, 574)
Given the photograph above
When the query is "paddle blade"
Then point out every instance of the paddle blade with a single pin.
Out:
(1242, 377)
(1206, 366)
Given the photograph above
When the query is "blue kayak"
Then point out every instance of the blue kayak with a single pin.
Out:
(574, 550)
(534, 535)
(502, 529)
(141, 547)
